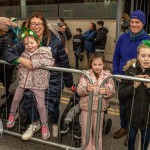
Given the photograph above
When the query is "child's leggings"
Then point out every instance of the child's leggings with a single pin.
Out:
(40, 98)
(91, 144)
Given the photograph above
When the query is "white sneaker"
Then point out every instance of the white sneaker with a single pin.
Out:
(28, 134)
(55, 131)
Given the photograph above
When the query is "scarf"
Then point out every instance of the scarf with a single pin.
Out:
(135, 36)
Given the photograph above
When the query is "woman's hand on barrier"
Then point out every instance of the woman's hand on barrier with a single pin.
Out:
(26, 63)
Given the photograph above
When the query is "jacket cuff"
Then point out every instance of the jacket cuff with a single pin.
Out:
(15, 61)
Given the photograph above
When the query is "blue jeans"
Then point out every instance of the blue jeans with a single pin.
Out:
(123, 122)
(145, 138)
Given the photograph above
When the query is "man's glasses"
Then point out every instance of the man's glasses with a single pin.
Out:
(39, 24)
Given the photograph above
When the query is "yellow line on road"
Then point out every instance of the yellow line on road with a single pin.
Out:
(113, 109)
(65, 98)
(113, 113)
(64, 102)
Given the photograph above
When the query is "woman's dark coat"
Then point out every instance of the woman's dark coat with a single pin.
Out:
(56, 79)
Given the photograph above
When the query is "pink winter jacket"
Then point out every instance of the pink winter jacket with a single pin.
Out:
(36, 78)
(82, 90)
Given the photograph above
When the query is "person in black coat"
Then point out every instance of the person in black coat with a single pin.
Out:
(6, 71)
(78, 46)
(136, 96)
(101, 37)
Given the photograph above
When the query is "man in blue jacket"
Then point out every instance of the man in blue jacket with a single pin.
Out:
(126, 49)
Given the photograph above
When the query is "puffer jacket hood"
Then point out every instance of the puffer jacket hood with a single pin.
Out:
(54, 28)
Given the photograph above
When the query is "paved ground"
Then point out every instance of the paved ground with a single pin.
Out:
(9, 142)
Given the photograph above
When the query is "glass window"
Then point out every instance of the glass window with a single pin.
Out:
(55, 8)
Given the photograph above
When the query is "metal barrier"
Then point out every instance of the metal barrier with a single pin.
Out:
(89, 112)
(100, 100)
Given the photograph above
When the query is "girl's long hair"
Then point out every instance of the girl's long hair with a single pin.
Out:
(94, 56)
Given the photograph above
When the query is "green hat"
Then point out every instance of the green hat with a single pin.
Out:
(26, 31)
(146, 42)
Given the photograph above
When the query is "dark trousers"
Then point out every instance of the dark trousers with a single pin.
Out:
(77, 56)
(145, 138)
(77, 61)
(88, 55)
(123, 121)
(55, 113)
(34, 116)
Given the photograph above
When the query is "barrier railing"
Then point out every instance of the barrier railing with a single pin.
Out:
(89, 112)
(100, 100)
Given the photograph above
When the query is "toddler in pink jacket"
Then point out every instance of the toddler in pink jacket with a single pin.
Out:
(35, 79)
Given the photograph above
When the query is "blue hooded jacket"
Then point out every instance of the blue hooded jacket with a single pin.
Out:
(126, 49)
(89, 40)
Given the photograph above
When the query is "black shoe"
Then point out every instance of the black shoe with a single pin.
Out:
(77, 135)
(121, 132)
(65, 128)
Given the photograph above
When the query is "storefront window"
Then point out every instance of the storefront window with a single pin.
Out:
(55, 8)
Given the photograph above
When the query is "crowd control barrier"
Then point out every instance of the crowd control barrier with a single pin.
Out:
(89, 113)
(100, 101)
